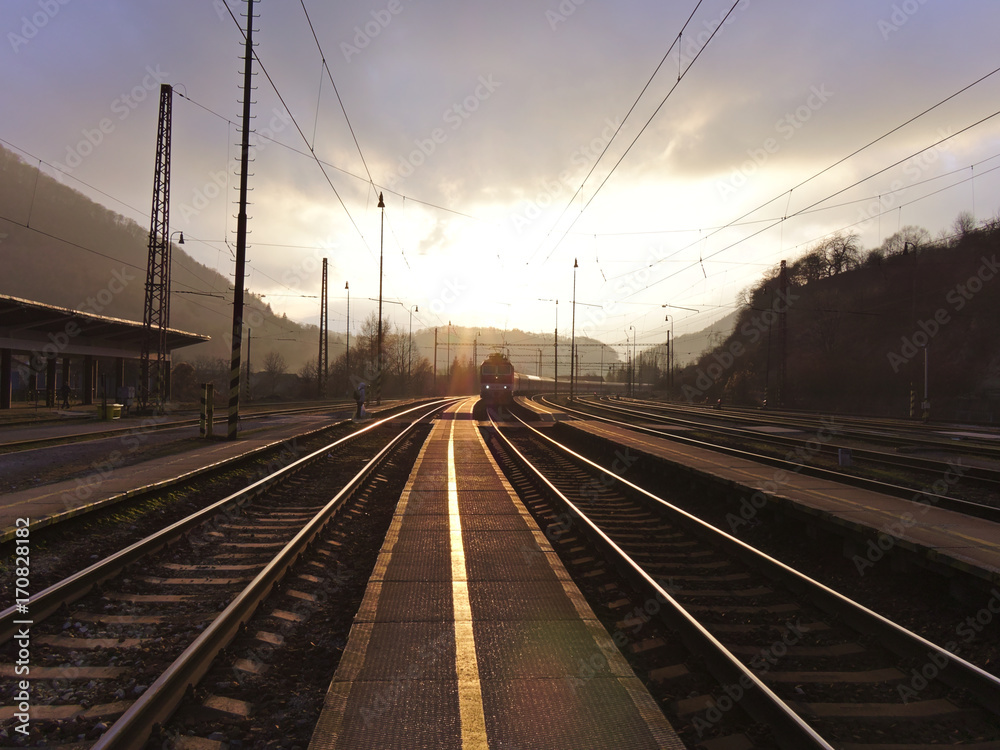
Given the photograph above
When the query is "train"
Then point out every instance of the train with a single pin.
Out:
(497, 379)
(499, 382)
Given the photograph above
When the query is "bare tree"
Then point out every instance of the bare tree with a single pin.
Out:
(965, 223)
(274, 368)
(842, 252)
(908, 235)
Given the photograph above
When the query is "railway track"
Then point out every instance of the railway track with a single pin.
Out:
(795, 664)
(114, 648)
(156, 424)
(798, 455)
(892, 433)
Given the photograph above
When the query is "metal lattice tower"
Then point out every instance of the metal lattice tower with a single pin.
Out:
(156, 311)
(322, 362)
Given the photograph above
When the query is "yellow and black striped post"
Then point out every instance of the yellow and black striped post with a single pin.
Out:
(241, 234)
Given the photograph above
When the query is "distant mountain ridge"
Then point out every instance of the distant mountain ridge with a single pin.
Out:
(59, 247)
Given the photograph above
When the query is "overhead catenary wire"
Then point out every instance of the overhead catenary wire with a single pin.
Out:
(302, 134)
(851, 155)
(675, 43)
(646, 125)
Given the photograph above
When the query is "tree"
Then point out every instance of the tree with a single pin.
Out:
(184, 383)
(842, 252)
(965, 224)
(910, 235)
(274, 368)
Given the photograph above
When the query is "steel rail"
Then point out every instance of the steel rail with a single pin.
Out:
(957, 672)
(161, 698)
(861, 428)
(49, 600)
(979, 473)
(967, 507)
(17, 446)
(762, 703)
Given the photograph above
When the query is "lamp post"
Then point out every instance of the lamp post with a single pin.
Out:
(572, 339)
(347, 362)
(249, 391)
(670, 353)
(409, 353)
(381, 242)
(555, 345)
(632, 386)
(672, 342)
(163, 371)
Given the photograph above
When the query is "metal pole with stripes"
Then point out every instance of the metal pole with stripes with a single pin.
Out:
(241, 234)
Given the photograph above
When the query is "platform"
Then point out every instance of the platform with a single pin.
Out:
(472, 634)
(941, 537)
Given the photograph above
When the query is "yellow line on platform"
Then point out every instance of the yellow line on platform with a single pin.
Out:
(470, 696)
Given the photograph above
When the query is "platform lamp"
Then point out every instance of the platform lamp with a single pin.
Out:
(633, 368)
(164, 374)
(381, 243)
(672, 342)
(347, 358)
(572, 339)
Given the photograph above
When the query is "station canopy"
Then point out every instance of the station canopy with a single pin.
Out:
(28, 326)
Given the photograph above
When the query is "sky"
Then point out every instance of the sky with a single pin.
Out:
(672, 152)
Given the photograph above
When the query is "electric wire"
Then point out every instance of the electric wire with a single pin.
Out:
(625, 119)
(646, 125)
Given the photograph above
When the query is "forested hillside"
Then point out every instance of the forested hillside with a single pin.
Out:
(859, 325)
(59, 247)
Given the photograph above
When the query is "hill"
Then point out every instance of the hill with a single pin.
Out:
(61, 248)
(862, 329)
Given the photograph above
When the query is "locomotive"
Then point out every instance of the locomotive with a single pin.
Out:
(499, 382)
(496, 379)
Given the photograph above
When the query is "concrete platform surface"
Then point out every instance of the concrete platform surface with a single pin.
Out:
(472, 634)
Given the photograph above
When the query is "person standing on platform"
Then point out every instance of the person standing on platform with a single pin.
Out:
(359, 398)
(65, 395)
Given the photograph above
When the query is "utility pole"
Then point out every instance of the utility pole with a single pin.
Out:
(156, 310)
(381, 242)
(572, 347)
(241, 234)
(249, 392)
(347, 353)
(782, 334)
(435, 361)
(322, 361)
